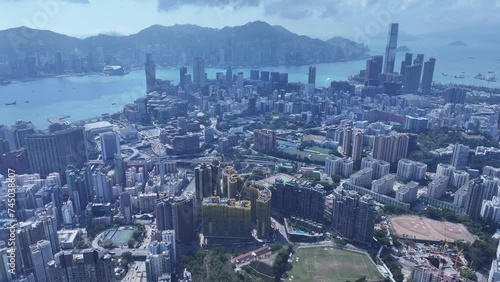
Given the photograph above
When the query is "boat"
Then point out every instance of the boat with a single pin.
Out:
(113, 71)
(26, 101)
(11, 104)
(5, 82)
(113, 104)
(491, 72)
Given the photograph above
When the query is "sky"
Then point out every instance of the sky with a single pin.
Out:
(356, 19)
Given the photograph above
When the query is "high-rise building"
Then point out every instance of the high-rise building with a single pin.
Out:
(126, 206)
(372, 73)
(409, 170)
(302, 200)
(391, 148)
(357, 146)
(408, 193)
(490, 210)
(102, 187)
(384, 185)
(110, 145)
(347, 140)
(88, 265)
(59, 63)
(264, 140)
(478, 190)
(379, 59)
(454, 95)
(437, 188)
(208, 180)
(79, 183)
(362, 178)
(226, 218)
(186, 144)
(459, 178)
(54, 152)
(150, 70)
(406, 63)
(229, 76)
(41, 254)
(254, 74)
(419, 60)
(176, 213)
(411, 78)
(428, 75)
(264, 75)
(312, 75)
(416, 124)
(199, 72)
(5, 273)
(353, 216)
(182, 77)
(460, 156)
(260, 198)
(390, 51)
(342, 167)
(379, 167)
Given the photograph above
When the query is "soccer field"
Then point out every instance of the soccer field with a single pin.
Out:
(332, 265)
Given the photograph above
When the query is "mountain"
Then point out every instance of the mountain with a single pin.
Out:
(457, 43)
(349, 48)
(255, 43)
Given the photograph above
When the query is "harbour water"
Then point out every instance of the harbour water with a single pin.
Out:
(90, 96)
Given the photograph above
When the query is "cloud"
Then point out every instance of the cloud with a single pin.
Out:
(168, 5)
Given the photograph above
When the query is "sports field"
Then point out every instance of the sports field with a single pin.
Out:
(328, 264)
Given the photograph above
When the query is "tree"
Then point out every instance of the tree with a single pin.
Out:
(468, 274)
(131, 243)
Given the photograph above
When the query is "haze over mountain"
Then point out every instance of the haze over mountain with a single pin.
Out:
(256, 42)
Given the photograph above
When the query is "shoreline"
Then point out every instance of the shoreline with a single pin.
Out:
(176, 67)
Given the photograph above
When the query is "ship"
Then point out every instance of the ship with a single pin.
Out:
(11, 104)
(5, 82)
(113, 71)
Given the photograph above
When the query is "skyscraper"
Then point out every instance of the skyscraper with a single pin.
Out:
(371, 73)
(391, 148)
(406, 63)
(390, 51)
(357, 146)
(428, 75)
(460, 156)
(176, 213)
(228, 218)
(41, 254)
(479, 189)
(347, 140)
(59, 63)
(411, 78)
(150, 70)
(379, 59)
(182, 77)
(264, 140)
(229, 76)
(54, 152)
(199, 72)
(208, 180)
(353, 215)
(312, 75)
(110, 145)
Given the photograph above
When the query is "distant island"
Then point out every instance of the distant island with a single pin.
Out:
(457, 43)
(403, 49)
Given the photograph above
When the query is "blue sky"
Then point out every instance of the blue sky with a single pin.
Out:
(317, 18)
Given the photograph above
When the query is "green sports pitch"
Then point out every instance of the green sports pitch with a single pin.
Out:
(332, 265)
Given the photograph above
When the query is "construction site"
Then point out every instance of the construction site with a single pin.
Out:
(429, 247)
(427, 230)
